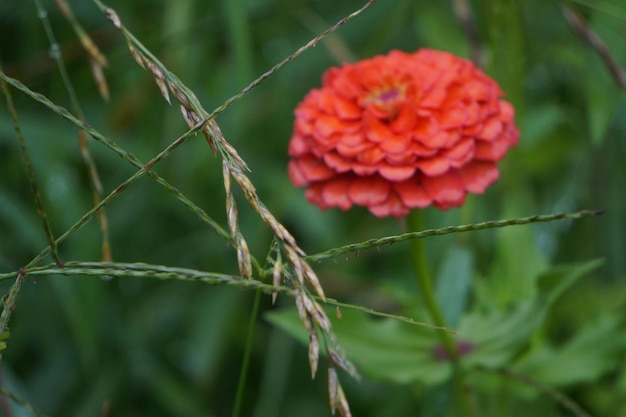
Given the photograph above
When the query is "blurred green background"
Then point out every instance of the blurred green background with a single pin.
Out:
(151, 348)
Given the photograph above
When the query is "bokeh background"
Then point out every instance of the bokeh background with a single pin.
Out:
(139, 347)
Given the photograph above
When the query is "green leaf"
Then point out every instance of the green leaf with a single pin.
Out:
(595, 350)
(453, 283)
(559, 278)
(499, 335)
(384, 349)
(518, 264)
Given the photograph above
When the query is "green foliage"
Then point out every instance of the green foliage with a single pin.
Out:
(538, 307)
(401, 353)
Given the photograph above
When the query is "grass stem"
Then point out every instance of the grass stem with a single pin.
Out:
(425, 283)
(243, 375)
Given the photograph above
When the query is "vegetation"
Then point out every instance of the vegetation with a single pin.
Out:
(99, 323)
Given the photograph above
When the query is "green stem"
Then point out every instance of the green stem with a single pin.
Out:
(425, 282)
(31, 173)
(246, 356)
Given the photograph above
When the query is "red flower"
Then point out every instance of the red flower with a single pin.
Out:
(400, 131)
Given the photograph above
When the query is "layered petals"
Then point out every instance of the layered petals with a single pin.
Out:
(447, 190)
(399, 132)
(369, 191)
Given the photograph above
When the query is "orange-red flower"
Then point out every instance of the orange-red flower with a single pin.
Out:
(400, 131)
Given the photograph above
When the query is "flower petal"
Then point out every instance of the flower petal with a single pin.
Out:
(413, 194)
(507, 113)
(433, 166)
(405, 120)
(473, 114)
(335, 193)
(351, 149)
(298, 146)
(490, 151)
(401, 159)
(420, 150)
(491, 129)
(336, 162)
(368, 191)
(477, 90)
(304, 126)
(364, 170)
(396, 144)
(446, 190)
(342, 81)
(346, 109)
(326, 125)
(393, 206)
(311, 169)
(377, 131)
(425, 127)
(295, 174)
(452, 117)
(396, 173)
(511, 134)
(461, 150)
(438, 140)
(371, 156)
(313, 195)
(352, 139)
(325, 101)
(477, 176)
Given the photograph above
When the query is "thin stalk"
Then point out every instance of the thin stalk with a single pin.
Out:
(464, 228)
(98, 191)
(31, 174)
(425, 283)
(24, 404)
(243, 376)
(9, 305)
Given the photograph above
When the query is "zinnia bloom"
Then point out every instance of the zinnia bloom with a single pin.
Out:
(400, 131)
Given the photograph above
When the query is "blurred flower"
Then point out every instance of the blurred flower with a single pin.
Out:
(400, 131)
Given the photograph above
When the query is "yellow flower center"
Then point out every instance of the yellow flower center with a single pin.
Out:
(386, 99)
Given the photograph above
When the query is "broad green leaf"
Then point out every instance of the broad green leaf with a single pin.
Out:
(559, 278)
(453, 283)
(384, 349)
(517, 264)
(497, 336)
(592, 352)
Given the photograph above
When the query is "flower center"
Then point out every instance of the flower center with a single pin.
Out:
(386, 100)
(389, 95)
